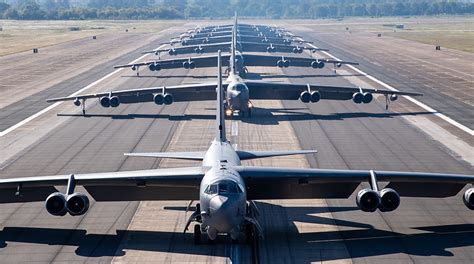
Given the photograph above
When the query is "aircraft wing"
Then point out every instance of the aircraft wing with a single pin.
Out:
(203, 48)
(180, 93)
(270, 60)
(287, 183)
(291, 91)
(155, 184)
(198, 62)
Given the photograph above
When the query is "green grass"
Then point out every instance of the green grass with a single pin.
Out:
(19, 35)
(451, 32)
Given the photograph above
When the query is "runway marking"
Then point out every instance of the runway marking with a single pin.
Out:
(32, 117)
(409, 98)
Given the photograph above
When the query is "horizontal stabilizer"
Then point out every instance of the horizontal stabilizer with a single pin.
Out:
(246, 155)
(199, 155)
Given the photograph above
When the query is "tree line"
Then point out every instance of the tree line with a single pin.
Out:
(190, 9)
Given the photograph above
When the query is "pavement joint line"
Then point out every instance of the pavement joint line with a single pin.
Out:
(409, 98)
(47, 109)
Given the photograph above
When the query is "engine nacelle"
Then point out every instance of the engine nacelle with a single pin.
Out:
(305, 97)
(77, 204)
(389, 200)
(77, 102)
(367, 97)
(315, 97)
(357, 97)
(280, 63)
(468, 198)
(114, 101)
(154, 67)
(338, 65)
(189, 65)
(317, 64)
(158, 99)
(393, 97)
(368, 200)
(172, 52)
(134, 68)
(286, 63)
(104, 101)
(199, 50)
(56, 204)
(168, 99)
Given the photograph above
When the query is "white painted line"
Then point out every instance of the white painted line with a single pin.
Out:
(409, 98)
(28, 119)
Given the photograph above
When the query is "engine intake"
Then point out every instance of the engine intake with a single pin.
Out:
(114, 101)
(105, 101)
(154, 67)
(158, 99)
(77, 204)
(393, 97)
(317, 64)
(389, 200)
(305, 97)
(56, 204)
(358, 97)
(315, 97)
(168, 99)
(468, 198)
(368, 200)
(367, 97)
(77, 102)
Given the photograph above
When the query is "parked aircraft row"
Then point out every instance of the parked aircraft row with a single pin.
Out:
(224, 187)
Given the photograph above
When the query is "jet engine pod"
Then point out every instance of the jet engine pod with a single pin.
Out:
(105, 101)
(295, 50)
(168, 99)
(367, 97)
(315, 97)
(186, 64)
(114, 101)
(357, 97)
(280, 63)
(172, 52)
(286, 63)
(468, 198)
(368, 200)
(389, 200)
(192, 65)
(338, 65)
(393, 97)
(305, 97)
(154, 67)
(56, 204)
(158, 99)
(77, 102)
(77, 204)
(134, 68)
(198, 50)
(317, 64)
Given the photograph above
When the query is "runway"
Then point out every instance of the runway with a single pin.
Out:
(296, 231)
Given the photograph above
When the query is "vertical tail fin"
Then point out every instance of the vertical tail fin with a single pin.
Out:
(220, 116)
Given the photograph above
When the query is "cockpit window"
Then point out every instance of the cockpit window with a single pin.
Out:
(223, 187)
(211, 189)
(239, 87)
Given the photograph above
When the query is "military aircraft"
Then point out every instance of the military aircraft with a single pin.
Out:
(226, 189)
(241, 60)
(241, 46)
(239, 92)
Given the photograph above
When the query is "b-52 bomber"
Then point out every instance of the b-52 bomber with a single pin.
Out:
(226, 189)
(239, 93)
(241, 59)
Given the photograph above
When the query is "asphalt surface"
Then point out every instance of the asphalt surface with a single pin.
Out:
(346, 136)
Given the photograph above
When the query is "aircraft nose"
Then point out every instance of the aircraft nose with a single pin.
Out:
(223, 213)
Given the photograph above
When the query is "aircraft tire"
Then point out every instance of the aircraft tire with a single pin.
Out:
(197, 234)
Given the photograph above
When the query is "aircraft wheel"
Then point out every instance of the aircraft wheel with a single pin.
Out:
(197, 234)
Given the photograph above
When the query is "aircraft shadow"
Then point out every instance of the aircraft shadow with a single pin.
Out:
(260, 116)
(170, 76)
(279, 224)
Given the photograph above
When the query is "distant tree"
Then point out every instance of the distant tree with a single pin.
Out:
(31, 10)
(11, 13)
